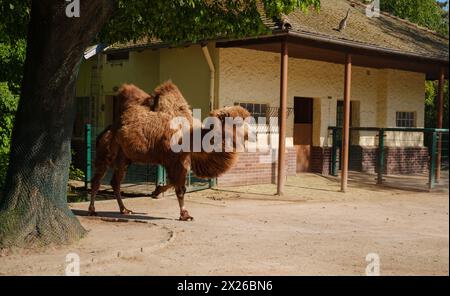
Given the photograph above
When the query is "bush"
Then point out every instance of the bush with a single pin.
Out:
(8, 107)
(75, 174)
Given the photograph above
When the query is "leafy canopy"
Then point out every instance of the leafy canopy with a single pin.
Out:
(193, 20)
(428, 13)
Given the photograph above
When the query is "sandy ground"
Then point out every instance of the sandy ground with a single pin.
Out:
(312, 230)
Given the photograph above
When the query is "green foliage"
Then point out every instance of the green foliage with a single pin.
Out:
(8, 107)
(75, 173)
(427, 13)
(179, 21)
(12, 58)
(14, 17)
(431, 104)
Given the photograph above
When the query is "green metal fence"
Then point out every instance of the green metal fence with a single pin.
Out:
(389, 152)
(140, 178)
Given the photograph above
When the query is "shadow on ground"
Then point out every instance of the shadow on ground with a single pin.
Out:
(117, 215)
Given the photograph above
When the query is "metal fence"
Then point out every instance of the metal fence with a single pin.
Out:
(414, 157)
(139, 178)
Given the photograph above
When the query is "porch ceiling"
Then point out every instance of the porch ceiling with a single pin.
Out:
(318, 50)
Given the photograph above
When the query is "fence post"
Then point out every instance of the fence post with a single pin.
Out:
(334, 152)
(380, 156)
(212, 182)
(432, 172)
(88, 164)
(160, 176)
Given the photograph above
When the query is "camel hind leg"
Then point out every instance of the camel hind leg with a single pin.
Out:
(100, 171)
(118, 175)
(160, 189)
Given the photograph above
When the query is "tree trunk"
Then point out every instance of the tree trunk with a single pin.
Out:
(33, 207)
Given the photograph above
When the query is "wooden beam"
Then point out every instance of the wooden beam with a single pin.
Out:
(346, 126)
(440, 118)
(282, 119)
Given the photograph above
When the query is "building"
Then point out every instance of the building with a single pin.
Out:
(389, 60)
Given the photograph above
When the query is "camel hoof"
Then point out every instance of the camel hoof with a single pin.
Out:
(126, 211)
(154, 196)
(184, 216)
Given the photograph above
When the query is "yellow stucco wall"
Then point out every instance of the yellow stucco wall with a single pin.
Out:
(188, 69)
(83, 86)
(253, 77)
(142, 69)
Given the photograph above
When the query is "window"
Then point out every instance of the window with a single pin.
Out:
(405, 119)
(117, 56)
(256, 110)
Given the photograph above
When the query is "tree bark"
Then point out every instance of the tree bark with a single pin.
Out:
(33, 207)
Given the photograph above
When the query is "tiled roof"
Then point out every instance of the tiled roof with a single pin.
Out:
(386, 31)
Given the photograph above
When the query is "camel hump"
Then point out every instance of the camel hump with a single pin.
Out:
(170, 100)
(130, 94)
(166, 87)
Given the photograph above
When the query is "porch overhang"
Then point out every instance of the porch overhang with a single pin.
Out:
(324, 48)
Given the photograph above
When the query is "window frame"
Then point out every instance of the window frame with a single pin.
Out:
(252, 112)
(407, 120)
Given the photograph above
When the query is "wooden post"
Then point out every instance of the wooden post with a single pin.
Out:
(439, 121)
(346, 126)
(282, 120)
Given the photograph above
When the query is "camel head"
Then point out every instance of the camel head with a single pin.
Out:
(233, 112)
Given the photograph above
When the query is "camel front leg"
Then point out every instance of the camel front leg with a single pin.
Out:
(184, 214)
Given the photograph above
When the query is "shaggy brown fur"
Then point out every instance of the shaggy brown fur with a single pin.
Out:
(143, 135)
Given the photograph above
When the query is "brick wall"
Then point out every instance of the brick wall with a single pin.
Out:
(363, 159)
(321, 160)
(397, 160)
(257, 168)
(406, 160)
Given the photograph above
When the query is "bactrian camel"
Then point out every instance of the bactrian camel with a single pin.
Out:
(143, 135)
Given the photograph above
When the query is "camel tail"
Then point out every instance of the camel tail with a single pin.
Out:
(105, 150)
(102, 134)
(213, 164)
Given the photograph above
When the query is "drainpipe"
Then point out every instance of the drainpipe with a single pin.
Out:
(212, 72)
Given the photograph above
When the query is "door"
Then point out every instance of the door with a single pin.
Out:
(303, 121)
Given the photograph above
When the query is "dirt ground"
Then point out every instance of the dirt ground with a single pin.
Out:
(313, 230)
